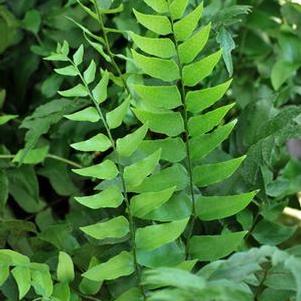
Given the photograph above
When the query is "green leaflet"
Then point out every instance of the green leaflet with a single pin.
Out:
(111, 197)
(202, 124)
(67, 71)
(202, 145)
(114, 228)
(213, 247)
(15, 258)
(89, 74)
(157, 24)
(65, 268)
(100, 91)
(210, 208)
(160, 6)
(106, 170)
(127, 145)
(165, 122)
(191, 48)
(152, 237)
(78, 55)
(4, 273)
(184, 28)
(208, 174)
(135, 174)
(33, 156)
(6, 118)
(177, 8)
(88, 114)
(41, 279)
(160, 47)
(23, 279)
(118, 266)
(175, 175)
(61, 291)
(99, 48)
(195, 72)
(173, 149)
(198, 101)
(167, 97)
(144, 203)
(166, 70)
(77, 91)
(98, 143)
(115, 117)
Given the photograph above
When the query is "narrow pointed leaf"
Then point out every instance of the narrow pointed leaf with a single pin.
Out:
(77, 91)
(160, 6)
(23, 279)
(114, 228)
(127, 145)
(208, 174)
(158, 24)
(110, 197)
(78, 55)
(177, 8)
(6, 118)
(164, 122)
(89, 114)
(202, 124)
(167, 97)
(210, 208)
(115, 117)
(196, 72)
(191, 48)
(213, 247)
(152, 237)
(67, 71)
(167, 70)
(106, 170)
(99, 48)
(160, 47)
(98, 143)
(186, 26)
(144, 203)
(100, 92)
(118, 266)
(89, 74)
(135, 174)
(65, 268)
(198, 101)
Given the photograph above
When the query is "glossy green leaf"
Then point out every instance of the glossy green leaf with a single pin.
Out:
(65, 268)
(196, 72)
(208, 174)
(77, 91)
(177, 8)
(144, 203)
(98, 143)
(106, 170)
(184, 28)
(135, 174)
(23, 279)
(61, 291)
(115, 117)
(167, 97)
(89, 74)
(118, 266)
(4, 273)
(202, 124)
(164, 122)
(160, 47)
(88, 114)
(110, 197)
(191, 48)
(99, 48)
(152, 237)
(213, 247)
(133, 293)
(33, 156)
(67, 71)
(6, 118)
(198, 101)
(127, 145)
(41, 279)
(78, 55)
(210, 208)
(160, 6)
(167, 70)
(202, 145)
(158, 24)
(100, 91)
(173, 149)
(114, 228)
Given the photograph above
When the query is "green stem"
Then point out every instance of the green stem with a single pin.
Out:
(50, 156)
(188, 152)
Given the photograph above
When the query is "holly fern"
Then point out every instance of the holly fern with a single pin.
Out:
(155, 187)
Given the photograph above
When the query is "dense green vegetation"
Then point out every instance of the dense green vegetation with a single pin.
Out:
(150, 150)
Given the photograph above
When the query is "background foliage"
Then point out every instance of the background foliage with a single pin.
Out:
(41, 220)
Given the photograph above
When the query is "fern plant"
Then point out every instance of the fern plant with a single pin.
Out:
(152, 179)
